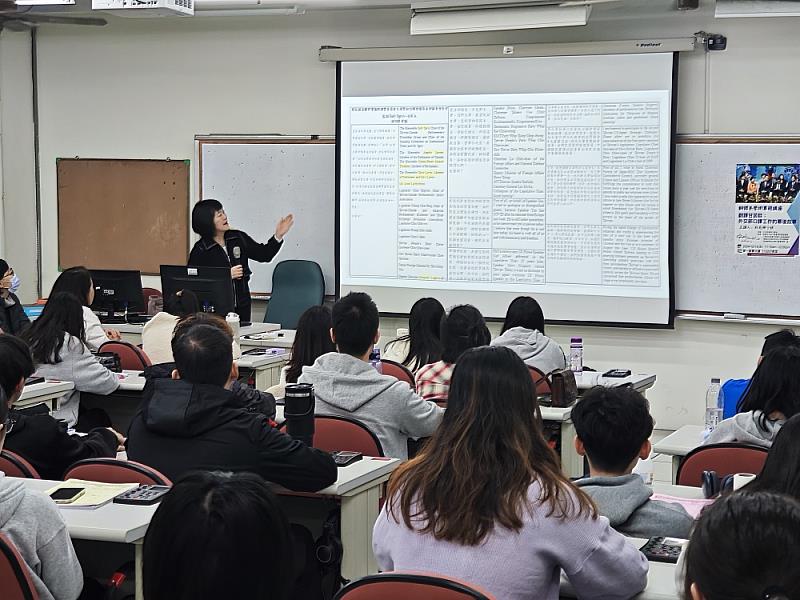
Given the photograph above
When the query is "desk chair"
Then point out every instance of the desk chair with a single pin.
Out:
(541, 382)
(13, 465)
(111, 470)
(400, 586)
(725, 459)
(147, 292)
(340, 433)
(296, 286)
(131, 357)
(15, 582)
(398, 371)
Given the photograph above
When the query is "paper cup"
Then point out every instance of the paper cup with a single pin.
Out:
(742, 479)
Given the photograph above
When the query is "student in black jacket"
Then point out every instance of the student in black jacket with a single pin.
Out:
(39, 438)
(221, 246)
(194, 422)
(12, 316)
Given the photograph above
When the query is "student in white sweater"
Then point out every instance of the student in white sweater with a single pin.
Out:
(78, 282)
(57, 342)
(157, 333)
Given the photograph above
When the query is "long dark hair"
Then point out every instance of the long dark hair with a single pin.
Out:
(775, 385)
(424, 333)
(475, 471)
(312, 339)
(62, 314)
(218, 535)
(744, 546)
(76, 281)
(525, 312)
(462, 328)
(781, 472)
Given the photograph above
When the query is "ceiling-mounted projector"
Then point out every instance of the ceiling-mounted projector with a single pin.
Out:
(465, 16)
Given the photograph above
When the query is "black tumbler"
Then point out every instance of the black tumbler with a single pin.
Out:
(298, 410)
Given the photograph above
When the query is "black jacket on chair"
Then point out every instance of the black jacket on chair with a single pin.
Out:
(182, 427)
(13, 318)
(44, 442)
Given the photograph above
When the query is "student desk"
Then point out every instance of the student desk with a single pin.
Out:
(266, 367)
(679, 443)
(133, 333)
(278, 338)
(46, 391)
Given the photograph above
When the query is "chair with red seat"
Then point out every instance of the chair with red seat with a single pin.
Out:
(15, 581)
(725, 459)
(542, 383)
(147, 292)
(398, 371)
(340, 433)
(111, 470)
(131, 358)
(400, 586)
(13, 465)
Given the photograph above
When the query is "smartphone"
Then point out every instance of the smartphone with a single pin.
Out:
(622, 373)
(67, 495)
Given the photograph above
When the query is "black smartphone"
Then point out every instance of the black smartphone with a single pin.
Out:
(617, 373)
(67, 495)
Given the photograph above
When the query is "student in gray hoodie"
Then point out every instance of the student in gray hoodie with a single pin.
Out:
(346, 385)
(523, 332)
(772, 397)
(32, 522)
(613, 427)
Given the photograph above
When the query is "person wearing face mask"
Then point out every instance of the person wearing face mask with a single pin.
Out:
(12, 316)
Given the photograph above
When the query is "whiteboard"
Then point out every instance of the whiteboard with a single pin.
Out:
(710, 276)
(262, 179)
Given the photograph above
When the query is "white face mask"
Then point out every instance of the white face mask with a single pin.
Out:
(15, 283)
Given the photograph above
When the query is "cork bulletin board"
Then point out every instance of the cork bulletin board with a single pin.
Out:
(122, 214)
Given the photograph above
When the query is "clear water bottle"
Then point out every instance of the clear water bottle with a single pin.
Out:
(714, 405)
(576, 355)
(375, 359)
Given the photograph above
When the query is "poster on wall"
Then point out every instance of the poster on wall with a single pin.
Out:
(767, 209)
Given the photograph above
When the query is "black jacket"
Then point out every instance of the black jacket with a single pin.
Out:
(181, 427)
(44, 442)
(208, 253)
(12, 318)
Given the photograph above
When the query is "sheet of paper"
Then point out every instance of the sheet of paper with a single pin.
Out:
(97, 494)
(694, 506)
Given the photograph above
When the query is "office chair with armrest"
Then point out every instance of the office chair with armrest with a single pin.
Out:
(400, 586)
(398, 371)
(131, 358)
(111, 470)
(725, 459)
(15, 582)
(340, 433)
(14, 465)
(296, 286)
(540, 380)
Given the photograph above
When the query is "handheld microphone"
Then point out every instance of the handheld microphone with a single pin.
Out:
(237, 254)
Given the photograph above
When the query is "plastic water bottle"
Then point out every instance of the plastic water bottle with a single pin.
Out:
(644, 469)
(375, 359)
(576, 355)
(714, 405)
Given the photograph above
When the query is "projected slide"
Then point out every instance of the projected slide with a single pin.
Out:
(555, 194)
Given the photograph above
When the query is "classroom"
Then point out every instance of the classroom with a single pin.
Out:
(213, 97)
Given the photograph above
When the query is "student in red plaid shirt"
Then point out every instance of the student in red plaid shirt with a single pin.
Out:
(462, 328)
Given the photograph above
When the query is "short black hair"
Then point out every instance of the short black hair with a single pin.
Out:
(463, 327)
(525, 312)
(784, 337)
(203, 354)
(219, 535)
(16, 363)
(182, 303)
(612, 423)
(203, 215)
(355, 323)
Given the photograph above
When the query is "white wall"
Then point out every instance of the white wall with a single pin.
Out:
(144, 88)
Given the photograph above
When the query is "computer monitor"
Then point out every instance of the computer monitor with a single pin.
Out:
(117, 292)
(212, 286)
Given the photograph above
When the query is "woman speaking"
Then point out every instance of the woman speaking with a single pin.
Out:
(221, 246)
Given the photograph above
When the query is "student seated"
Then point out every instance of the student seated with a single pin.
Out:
(423, 344)
(745, 546)
(462, 328)
(78, 282)
(613, 428)
(12, 316)
(57, 341)
(772, 397)
(157, 332)
(781, 472)
(346, 385)
(39, 438)
(312, 339)
(218, 535)
(193, 422)
(33, 524)
(486, 501)
(734, 389)
(523, 332)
